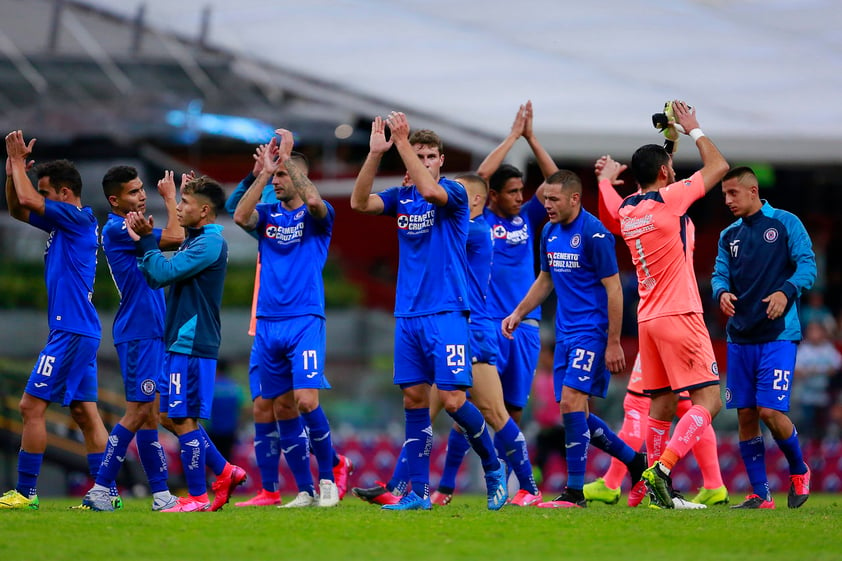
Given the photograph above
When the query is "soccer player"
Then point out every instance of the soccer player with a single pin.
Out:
(578, 260)
(487, 392)
(289, 347)
(675, 349)
(431, 304)
(138, 332)
(606, 489)
(764, 263)
(514, 224)
(195, 275)
(66, 368)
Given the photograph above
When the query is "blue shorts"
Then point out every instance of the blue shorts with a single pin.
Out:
(254, 375)
(579, 363)
(191, 382)
(517, 360)
(289, 354)
(760, 375)
(433, 349)
(483, 345)
(66, 369)
(142, 366)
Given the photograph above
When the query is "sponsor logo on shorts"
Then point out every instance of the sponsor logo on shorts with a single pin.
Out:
(147, 386)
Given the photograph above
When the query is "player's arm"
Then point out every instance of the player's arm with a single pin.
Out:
(495, 158)
(21, 196)
(615, 357)
(361, 198)
(608, 177)
(720, 281)
(160, 271)
(714, 165)
(300, 182)
(801, 255)
(426, 185)
(537, 293)
(234, 198)
(173, 234)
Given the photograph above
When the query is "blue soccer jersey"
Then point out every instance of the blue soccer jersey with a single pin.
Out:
(513, 270)
(480, 253)
(578, 256)
(432, 241)
(293, 249)
(142, 308)
(70, 266)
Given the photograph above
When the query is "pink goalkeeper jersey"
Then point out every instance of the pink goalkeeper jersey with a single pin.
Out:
(661, 238)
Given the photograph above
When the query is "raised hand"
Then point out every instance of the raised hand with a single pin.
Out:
(377, 142)
(607, 168)
(684, 116)
(287, 142)
(398, 126)
(527, 120)
(138, 226)
(519, 123)
(16, 147)
(166, 185)
(187, 178)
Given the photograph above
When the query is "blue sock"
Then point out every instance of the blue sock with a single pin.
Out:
(754, 457)
(267, 452)
(607, 440)
(114, 455)
(517, 456)
(792, 450)
(470, 419)
(418, 443)
(457, 447)
(214, 459)
(400, 475)
(29, 466)
(320, 440)
(153, 459)
(577, 439)
(296, 450)
(193, 462)
(94, 461)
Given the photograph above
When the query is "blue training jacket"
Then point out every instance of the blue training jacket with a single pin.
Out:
(195, 275)
(766, 252)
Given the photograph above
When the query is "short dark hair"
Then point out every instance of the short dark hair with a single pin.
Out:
(503, 174)
(208, 188)
(569, 180)
(61, 173)
(300, 159)
(646, 163)
(115, 177)
(473, 178)
(739, 173)
(426, 137)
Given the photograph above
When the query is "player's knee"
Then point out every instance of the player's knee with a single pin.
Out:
(30, 408)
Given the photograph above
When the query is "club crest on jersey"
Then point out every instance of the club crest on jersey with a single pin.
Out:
(147, 386)
(517, 221)
(770, 235)
(499, 232)
(299, 214)
(576, 240)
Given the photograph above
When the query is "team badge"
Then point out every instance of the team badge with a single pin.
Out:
(299, 214)
(714, 368)
(727, 395)
(576, 240)
(147, 386)
(517, 221)
(770, 235)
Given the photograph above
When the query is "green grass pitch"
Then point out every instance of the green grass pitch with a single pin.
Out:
(464, 530)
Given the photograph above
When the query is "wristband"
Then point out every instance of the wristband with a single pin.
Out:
(696, 134)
